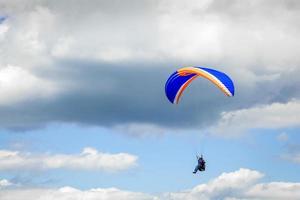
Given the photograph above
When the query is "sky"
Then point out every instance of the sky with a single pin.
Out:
(83, 111)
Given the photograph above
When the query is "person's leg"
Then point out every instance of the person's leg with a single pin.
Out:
(196, 169)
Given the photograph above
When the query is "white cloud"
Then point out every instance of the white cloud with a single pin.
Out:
(30, 35)
(88, 159)
(5, 183)
(206, 32)
(293, 157)
(141, 129)
(17, 84)
(283, 137)
(231, 33)
(3, 29)
(225, 185)
(274, 190)
(273, 116)
(67, 193)
(240, 184)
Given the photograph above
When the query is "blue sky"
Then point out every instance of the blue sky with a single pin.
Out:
(164, 159)
(83, 112)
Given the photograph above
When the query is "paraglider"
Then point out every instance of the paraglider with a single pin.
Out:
(180, 79)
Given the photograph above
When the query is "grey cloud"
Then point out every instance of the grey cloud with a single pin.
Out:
(106, 95)
(110, 95)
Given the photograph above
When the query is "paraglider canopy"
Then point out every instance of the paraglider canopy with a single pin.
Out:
(180, 79)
